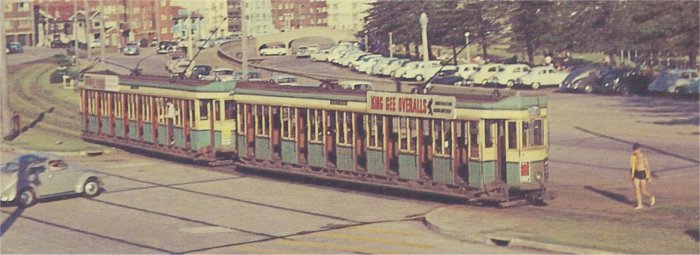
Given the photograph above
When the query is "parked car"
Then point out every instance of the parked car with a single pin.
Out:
(417, 73)
(622, 81)
(57, 75)
(508, 74)
(31, 177)
(363, 61)
(180, 66)
(273, 51)
(174, 56)
(14, 47)
(200, 71)
(350, 57)
(253, 75)
(583, 79)
(399, 72)
(673, 81)
(448, 77)
(541, 76)
(303, 52)
(164, 47)
(132, 49)
(393, 65)
(220, 74)
(313, 48)
(378, 67)
(693, 88)
(466, 70)
(484, 74)
(320, 56)
(356, 85)
(284, 80)
(338, 50)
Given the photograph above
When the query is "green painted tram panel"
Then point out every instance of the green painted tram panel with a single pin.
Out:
(241, 145)
(162, 135)
(105, 125)
(513, 173)
(375, 162)
(133, 130)
(475, 174)
(178, 136)
(92, 126)
(344, 159)
(489, 171)
(118, 128)
(408, 166)
(147, 133)
(262, 148)
(289, 152)
(442, 170)
(316, 155)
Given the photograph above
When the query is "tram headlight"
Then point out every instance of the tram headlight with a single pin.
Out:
(538, 176)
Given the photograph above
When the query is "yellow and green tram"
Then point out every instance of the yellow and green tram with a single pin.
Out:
(451, 141)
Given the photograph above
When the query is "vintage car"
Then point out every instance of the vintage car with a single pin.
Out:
(35, 176)
(508, 74)
(583, 79)
(320, 56)
(484, 74)
(356, 85)
(132, 49)
(623, 81)
(541, 76)
(273, 51)
(284, 80)
(448, 77)
(673, 81)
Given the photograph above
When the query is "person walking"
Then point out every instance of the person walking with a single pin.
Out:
(170, 121)
(640, 175)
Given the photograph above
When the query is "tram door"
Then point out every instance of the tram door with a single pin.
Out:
(276, 125)
(360, 143)
(501, 151)
(330, 142)
(302, 140)
(461, 152)
(494, 158)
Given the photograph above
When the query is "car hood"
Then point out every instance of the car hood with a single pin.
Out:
(8, 181)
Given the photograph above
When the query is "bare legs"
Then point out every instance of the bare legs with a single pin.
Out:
(640, 187)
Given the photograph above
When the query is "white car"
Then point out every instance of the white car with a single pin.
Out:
(313, 48)
(285, 80)
(273, 51)
(380, 65)
(419, 74)
(320, 56)
(393, 65)
(178, 66)
(363, 61)
(356, 85)
(220, 74)
(508, 74)
(466, 70)
(542, 76)
(484, 74)
(673, 81)
(398, 72)
(340, 49)
(349, 57)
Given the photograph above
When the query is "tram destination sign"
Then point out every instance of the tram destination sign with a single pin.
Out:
(102, 82)
(414, 105)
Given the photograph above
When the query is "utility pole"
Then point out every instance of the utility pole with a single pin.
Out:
(391, 45)
(4, 102)
(75, 30)
(424, 38)
(244, 42)
(103, 40)
(87, 30)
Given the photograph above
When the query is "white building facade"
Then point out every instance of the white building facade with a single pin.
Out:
(347, 15)
(213, 12)
(258, 17)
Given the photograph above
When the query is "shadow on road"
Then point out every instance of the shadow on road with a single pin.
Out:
(7, 223)
(693, 233)
(612, 195)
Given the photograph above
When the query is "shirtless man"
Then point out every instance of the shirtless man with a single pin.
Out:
(640, 175)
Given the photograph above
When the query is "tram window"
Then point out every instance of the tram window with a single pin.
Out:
(539, 133)
(204, 109)
(473, 139)
(217, 110)
(376, 131)
(488, 134)
(288, 123)
(229, 110)
(512, 135)
(442, 135)
(262, 120)
(344, 128)
(533, 133)
(315, 118)
(408, 134)
(241, 122)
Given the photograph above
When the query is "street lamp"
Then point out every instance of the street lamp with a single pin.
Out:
(466, 36)
(424, 35)
(391, 45)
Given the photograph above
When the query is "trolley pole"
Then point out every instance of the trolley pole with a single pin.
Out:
(244, 42)
(4, 102)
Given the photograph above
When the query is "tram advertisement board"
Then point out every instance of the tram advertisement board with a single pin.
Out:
(414, 105)
(102, 82)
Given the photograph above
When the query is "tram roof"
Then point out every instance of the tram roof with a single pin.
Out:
(474, 98)
(192, 85)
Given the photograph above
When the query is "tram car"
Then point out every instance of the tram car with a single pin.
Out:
(459, 142)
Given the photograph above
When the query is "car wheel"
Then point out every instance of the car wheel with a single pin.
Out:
(92, 188)
(510, 83)
(419, 77)
(588, 89)
(536, 85)
(26, 198)
(678, 91)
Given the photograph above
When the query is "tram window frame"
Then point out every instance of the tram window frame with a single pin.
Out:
(533, 133)
(315, 123)
(217, 110)
(261, 114)
(229, 110)
(441, 136)
(474, 144)
(344, 132)
(241, 121)
(489, 134)
(408, 140)
(288, 123)
(512, 135)
(204, 109)
(375, 136)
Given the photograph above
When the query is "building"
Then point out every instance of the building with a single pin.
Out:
(213, 14)
(295, 14)
(258, 16)
(125, 20)
(180, 18)
(19, 21)
(347, 14)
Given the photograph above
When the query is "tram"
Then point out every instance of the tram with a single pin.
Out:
(458, 142)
